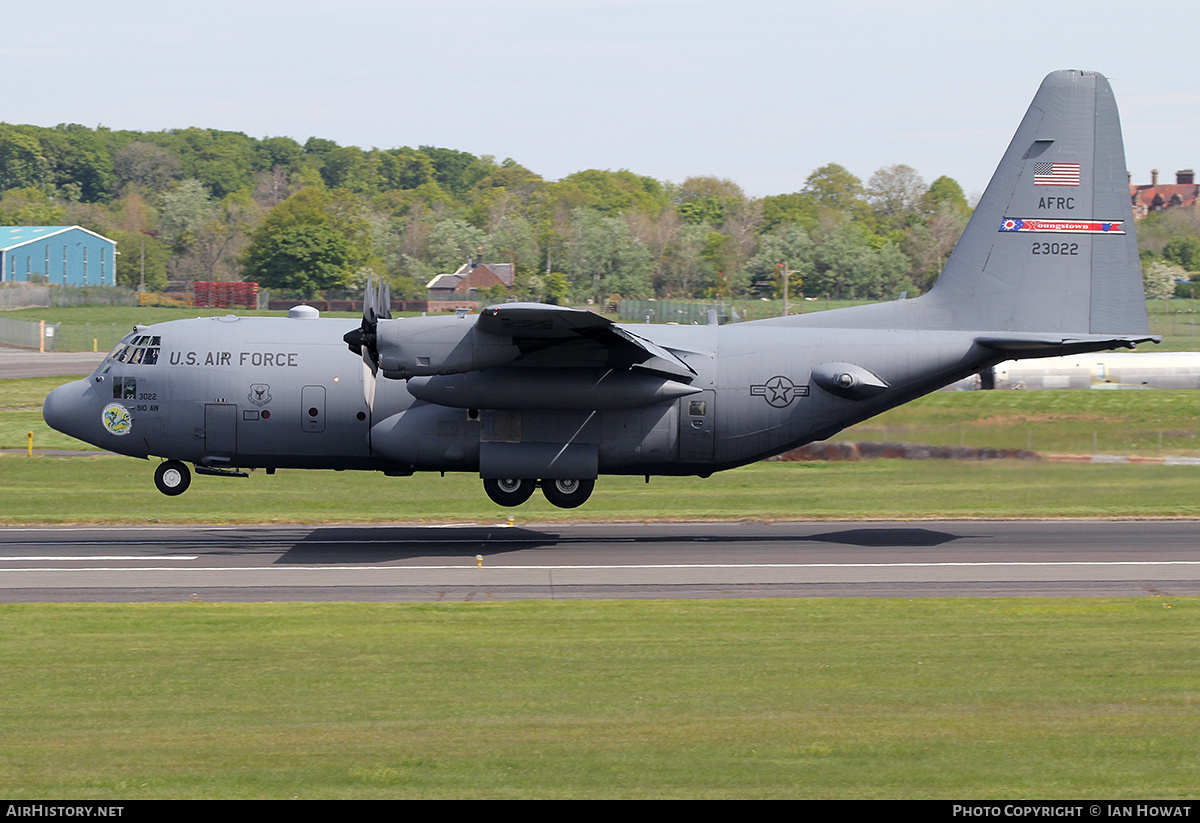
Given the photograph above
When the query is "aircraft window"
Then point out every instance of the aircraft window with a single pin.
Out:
(141, 350)
(696, 408)
(124, 388)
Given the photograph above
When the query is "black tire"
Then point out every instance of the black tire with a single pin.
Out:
(568, 494)
(172, 478)
(509, 491)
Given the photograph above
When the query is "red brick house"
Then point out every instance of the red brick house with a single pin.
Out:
(1158, 197)
(469, 279)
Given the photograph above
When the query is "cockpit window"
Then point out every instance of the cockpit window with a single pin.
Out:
(139, 350)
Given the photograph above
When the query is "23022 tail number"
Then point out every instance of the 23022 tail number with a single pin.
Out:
(1070, 249)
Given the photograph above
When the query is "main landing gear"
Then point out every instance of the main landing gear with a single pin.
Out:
(566, 494)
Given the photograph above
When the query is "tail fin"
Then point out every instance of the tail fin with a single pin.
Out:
(1051, 246)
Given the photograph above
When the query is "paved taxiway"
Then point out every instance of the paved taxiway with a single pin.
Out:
(427, 563)
(25, 363)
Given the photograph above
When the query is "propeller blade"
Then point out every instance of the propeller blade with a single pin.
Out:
(385, 299)
(376, 305)
(369, 384)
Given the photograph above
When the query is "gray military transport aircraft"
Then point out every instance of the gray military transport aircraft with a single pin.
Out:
(530, 395)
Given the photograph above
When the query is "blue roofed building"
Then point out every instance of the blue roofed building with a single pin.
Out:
(58, 255)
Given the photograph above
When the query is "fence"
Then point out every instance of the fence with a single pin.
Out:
(683, 312)
(24, 333)
(27, 334)
(32, 295)
(687, 312)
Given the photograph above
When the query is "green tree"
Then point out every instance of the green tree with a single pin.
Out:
(405, 169)
(798, 209)
(278, 153)
(22, 164)
(1183, 251)
(707, 210)
(303, 258)
(453, 242)
(606, 259)
(928, 245)
(456, 171)
(789, 247)
(895, 194)
(221, 160)
(287, 233)
(1158, 279)
(345, 167)
(610, 192)
(847, 266)
(832, 187)
(513, 240)
(140, 253)
(80, 165)
(147, 165)
(30, 207)
(945, 191)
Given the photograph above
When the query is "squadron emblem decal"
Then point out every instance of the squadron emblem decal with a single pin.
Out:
(779, 391)
(260, 394)
(116, 419)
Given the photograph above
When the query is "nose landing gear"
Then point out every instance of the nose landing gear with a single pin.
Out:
(172, 477)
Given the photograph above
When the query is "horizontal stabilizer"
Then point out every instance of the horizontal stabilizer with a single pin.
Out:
(1041, 345)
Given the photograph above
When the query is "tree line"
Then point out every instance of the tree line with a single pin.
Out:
(314, 219)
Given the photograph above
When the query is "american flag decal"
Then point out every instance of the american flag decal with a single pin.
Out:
(1055, 174)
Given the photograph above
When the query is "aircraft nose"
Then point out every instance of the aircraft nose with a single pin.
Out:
(63, 407)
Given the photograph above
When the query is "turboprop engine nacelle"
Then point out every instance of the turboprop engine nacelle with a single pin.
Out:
(551, 389)
(422, 346)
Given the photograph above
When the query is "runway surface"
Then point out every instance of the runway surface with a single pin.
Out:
(604, 561)
(26, 363)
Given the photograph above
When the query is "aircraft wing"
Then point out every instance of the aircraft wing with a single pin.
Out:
(536, 327)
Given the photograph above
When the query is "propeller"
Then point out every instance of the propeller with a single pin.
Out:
(377, 305)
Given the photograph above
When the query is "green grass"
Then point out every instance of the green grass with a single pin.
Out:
(1147, 423)
(826, 698)
(120, 490)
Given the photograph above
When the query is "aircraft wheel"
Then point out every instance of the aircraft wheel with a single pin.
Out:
(509, 491)
(567, 494)
(172, 477)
